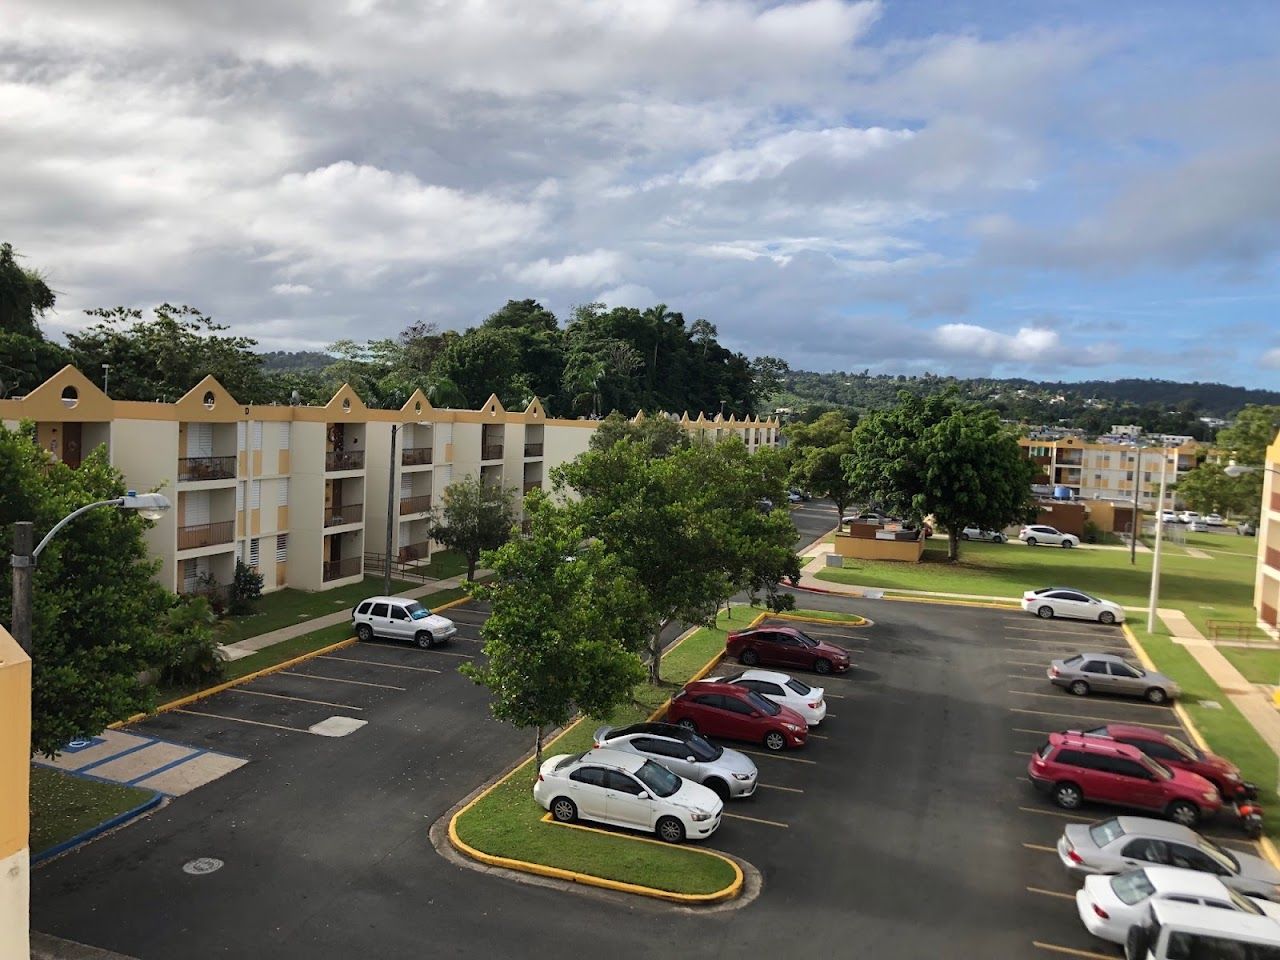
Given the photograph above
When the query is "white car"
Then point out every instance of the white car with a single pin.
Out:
(1050, 536)
(1188, 516)
(975, 533)
(1050, 602)
(809, 702)
(401, 618)
(1215, 520)
(1168, 516)
(626, 790)
(870, 516)
(1198, 526)
(1110, 905)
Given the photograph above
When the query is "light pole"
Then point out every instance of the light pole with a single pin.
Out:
(392, 487)
(23, 559)
(1234, 469)
(106, 379)
(1135, 526)
(1155, 559)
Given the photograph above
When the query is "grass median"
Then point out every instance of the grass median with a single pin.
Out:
(63, 805)
(507, 822)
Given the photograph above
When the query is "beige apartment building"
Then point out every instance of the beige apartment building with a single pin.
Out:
(1108, 471)
(1266, 588)
(302, 493)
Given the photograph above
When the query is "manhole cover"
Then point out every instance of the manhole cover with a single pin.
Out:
(201, 865)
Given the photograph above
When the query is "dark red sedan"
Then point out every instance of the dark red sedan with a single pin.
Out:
(786, 647)
(1174, 752)
(736, 713)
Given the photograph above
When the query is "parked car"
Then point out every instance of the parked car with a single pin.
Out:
(804, 495)
(1049, 536)
(1168, 516)
(1198, 526)
(1246, 529)
(1123, 843)
(786, 647)
(975, 533)
(805, 700)
(793, 497)
(735, 713)
(1189, 931)
(1110, 905)
(764, 505)
(1188, 516)
(1173, 752)
(1072, 768)
(869, 516)
(1215, 520)
(727, 773)
(401, 618)
(1050, 602)
(626, 790)
(1087, 673)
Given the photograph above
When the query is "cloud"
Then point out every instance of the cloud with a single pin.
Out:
(291, 289)
(1029, 344)
(1271, 359)
(576, 270)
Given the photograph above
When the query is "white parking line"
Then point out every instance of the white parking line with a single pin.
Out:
(1059, 814)
(401, 646)
(281, 696)
(774, 786)
(1051, 893)
(358, 683)
(767, 823)
(255, 723)
(1060, 696)
(1090, 716)
(834, 696)
(1098, 647)
(376, 663)
(1071, 951)
(1040, 847)
(1025, 625)
(777, 756)
(818, 736)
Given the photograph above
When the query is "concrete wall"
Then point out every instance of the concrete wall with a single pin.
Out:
(146, 452)
(306, 506)
(15, 777)
(1266, 589)
(872, 548)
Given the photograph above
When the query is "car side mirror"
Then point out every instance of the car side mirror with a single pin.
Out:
(643, 795)
(755, 713)
(690, 760)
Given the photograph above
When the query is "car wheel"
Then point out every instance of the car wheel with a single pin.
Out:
(998, 538)
(364, 632)
(1183, 812)
(1156, 695)
(1031, 541)
(749, 657)
(1079, 688)
(564, 809)
(1137, 945)
(1067, 544)
(1045, 612)
(964, 536)
(775, 741)
(822, 665)
(689, 725)
(670, 829)
(1107, 617)
(1067, 795)
(422, 639)
(718, 787)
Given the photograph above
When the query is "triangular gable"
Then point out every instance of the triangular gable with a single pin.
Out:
(345, 400)
(417, 405)
(534, 410)
(492, 406)
(684, 419)
(67, 395)
(702, 417)
(639, 417)
(207, 400)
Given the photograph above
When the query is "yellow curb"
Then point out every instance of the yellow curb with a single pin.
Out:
(990, 605)
(201, 694)
(860, 622)
(452, 603)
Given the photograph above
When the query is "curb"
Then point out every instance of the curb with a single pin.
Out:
(911, 598)
(85, 836)
(861, 621)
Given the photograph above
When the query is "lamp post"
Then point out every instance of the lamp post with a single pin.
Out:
(1234, 469)
(1155, 559)
(392, 487)
(151, 506)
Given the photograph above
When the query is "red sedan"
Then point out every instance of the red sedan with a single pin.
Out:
(736, 713)
(786, 647)
(1174, 752)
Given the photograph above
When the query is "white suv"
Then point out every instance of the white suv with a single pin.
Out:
(401, 618)
(1047, 535)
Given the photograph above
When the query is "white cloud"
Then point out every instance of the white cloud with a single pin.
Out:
(1271, 359)
(769, 157)
(592, 269)
(1028, 344)
(291, 289)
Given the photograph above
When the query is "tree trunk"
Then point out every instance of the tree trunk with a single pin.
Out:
(537, 752)
(655, 654)
(471, 567)
(953, 545)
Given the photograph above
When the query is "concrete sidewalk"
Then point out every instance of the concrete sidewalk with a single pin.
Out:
(242, 648)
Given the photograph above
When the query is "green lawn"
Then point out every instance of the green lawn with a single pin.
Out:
(283, 608)
(1258, 666)
(508, 821)
(63, 805)
(442, 565)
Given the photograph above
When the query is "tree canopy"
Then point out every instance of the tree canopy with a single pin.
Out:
(816, 455)
(27, 359)
(476, 516)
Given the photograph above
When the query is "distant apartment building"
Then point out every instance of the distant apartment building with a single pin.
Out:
(301, 493)
(1130, 430)
(1266, 589)
(1109, 471)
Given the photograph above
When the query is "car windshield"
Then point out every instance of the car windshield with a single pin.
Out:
(658, 778)
(801, 688)
(807, 640)
(1132, 887)
(731, 678)
(1211, 849)
(1157, 770)
(1187, 751)
(418, 612)
(704, 750)
(1106, 831)
(767, 707)
(1244, 904)
(571, 758)
(1072, 661)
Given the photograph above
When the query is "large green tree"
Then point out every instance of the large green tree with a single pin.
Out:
(816, 453)
(1208, 489)
(565, 629)
(936, 456)
(658, 435)
(27, 359)
(476, 516)
(1248, 437)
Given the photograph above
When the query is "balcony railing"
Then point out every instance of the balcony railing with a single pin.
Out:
(344, 460)
(338, 569)
(415, 504)
(346, 513)
(533, 449)
(206, 534)
(206, 468)
(414, 551)
(532, 485)
(415, 456)
(491, 451)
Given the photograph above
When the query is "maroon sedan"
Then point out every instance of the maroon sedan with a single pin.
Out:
(786, 647)
(736, 713)
(1176, 753)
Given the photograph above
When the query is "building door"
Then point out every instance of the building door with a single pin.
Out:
(72, 451)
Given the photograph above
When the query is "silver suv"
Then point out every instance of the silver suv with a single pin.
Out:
(401, 618)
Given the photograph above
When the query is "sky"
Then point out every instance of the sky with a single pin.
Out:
(1059, 190)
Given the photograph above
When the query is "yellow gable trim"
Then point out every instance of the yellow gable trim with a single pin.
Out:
(45, 402)
(224, 407)
(423, 404)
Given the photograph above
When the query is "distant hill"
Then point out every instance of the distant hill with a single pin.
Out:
(293, 361)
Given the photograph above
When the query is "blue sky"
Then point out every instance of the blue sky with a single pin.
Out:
(1063, 190)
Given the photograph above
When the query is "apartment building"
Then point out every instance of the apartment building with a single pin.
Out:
(1108, 471)
(1266, 589)
(303, 493)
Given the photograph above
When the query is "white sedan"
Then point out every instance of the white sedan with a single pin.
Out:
(1047, 535)
(1050, 602)
(809, 702)
(977, 533)
(1110, 905)
(626, 790)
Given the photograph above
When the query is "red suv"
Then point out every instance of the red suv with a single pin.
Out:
(736, 713)
(1073, 767)
(786, 647)
(1173, 752)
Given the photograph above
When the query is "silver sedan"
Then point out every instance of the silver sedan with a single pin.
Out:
(1087, 673)
(685, 753)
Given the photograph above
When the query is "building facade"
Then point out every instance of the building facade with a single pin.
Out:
(1266, 588)
(303, 494)
(1109, 471)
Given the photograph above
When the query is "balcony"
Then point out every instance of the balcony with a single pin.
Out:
(491, 451)
(414, 551)
(533, 449)
(344, 460)
(415, 456)
(206, 468)
(336, 516)
(340, 569)
(206, 535)
(415, 504)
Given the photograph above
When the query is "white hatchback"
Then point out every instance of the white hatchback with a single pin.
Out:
(809, 702)
(626, 790)
(1050, 536)
(401, 618)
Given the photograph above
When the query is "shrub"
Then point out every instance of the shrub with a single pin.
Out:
(246, 588)
(191, 655)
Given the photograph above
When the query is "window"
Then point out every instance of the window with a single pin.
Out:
(589, 775)
(1073, 597)
(617, 780)
(1125, 768)
(1151, 851)
(800, 688)
(767, 707)
(1123, 670)
(1132, 887)
(661, 781)
(282, 492)
(363, 608)
(1078, 758)
(255, 494)
(1195, 946)
(662, 748)
(1106, 831)
(286, 429)
(240, 434)
(239, 496)
(709, 700)
(398, 613)
(257, 434)
(282, 547)
(1094, 666)
(766, 688)
(734, 705)
(380, 609)
(254, 552)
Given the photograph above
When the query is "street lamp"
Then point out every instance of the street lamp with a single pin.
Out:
(1234, 469)
(1155, 558)
(150, 506)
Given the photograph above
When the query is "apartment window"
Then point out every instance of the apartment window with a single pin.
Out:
(1129, 475)
(1146, 476)
(285, 430)
(282, 547)
(257, 434)
(239, 497)
(255, 494)
(254, 552)
(282, 493)
(240, 434)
